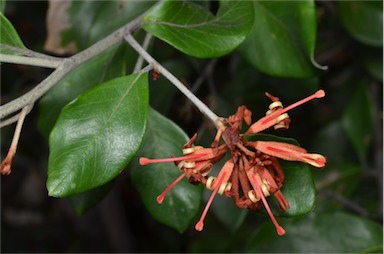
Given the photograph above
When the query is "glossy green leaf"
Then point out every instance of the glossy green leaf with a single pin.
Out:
(319, 233)
(227, 212)
(358, 120)
(195, 31)
(84, 201)
(9, 36)
(162, 139)
(282, 39)
(108, 65)
(88, 19)
(363, 20)
(298, 187)
(97, 135)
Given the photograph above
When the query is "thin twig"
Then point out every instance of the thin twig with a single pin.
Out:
(13, 119)
(346, 202)
(140, 60)
(68, 65)
(28, 52)
(71, 63)
(204, 75)
(41, 62)
(5, 167)
(196, 101)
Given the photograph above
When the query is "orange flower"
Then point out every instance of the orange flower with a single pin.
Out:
(253, 167)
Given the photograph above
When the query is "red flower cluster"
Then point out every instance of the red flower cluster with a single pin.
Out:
(253, 171)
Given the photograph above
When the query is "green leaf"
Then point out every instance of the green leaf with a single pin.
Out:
(332, 142)
(181, 205)
(358, 120)
(108, 65)
(84, 201)
(97, 135)
(363, 20)
(195, 31)
(298, 187)
(269, 137)
(319, 233)
(282, 40)
(92, 27)
(339, 179)
(9, 36)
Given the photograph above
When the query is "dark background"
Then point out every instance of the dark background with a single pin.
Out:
(33, 222)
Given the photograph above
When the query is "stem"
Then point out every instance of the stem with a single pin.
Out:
(5, 167)
(140, 60)
(198, 103)
(14, 118)
(346, 202)
(65, 67)
(49, 63)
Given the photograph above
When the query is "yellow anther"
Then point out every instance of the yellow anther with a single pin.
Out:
(282, 117)
(180, 165)
(188, 150)
(229, 187)
(210, 180)
(264, 188)
(189, 164)
(222, 188)
(275, 105)
(252, 196)
(280, 123)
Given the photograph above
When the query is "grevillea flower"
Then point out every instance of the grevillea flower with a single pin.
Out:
(253, 172)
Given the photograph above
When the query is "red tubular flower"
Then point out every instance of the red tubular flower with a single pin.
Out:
(288, 152)
(196, 163)
(272, 119)
(222, 178)
(253, 173)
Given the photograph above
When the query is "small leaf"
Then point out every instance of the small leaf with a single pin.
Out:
(181, 205)
(363, 20)
(103, 67)
(319, 233)
(269, 137)
(9, 36)
(195, 31)
(97, 135)
(282, 40)
(358, 120)
(298, 187)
